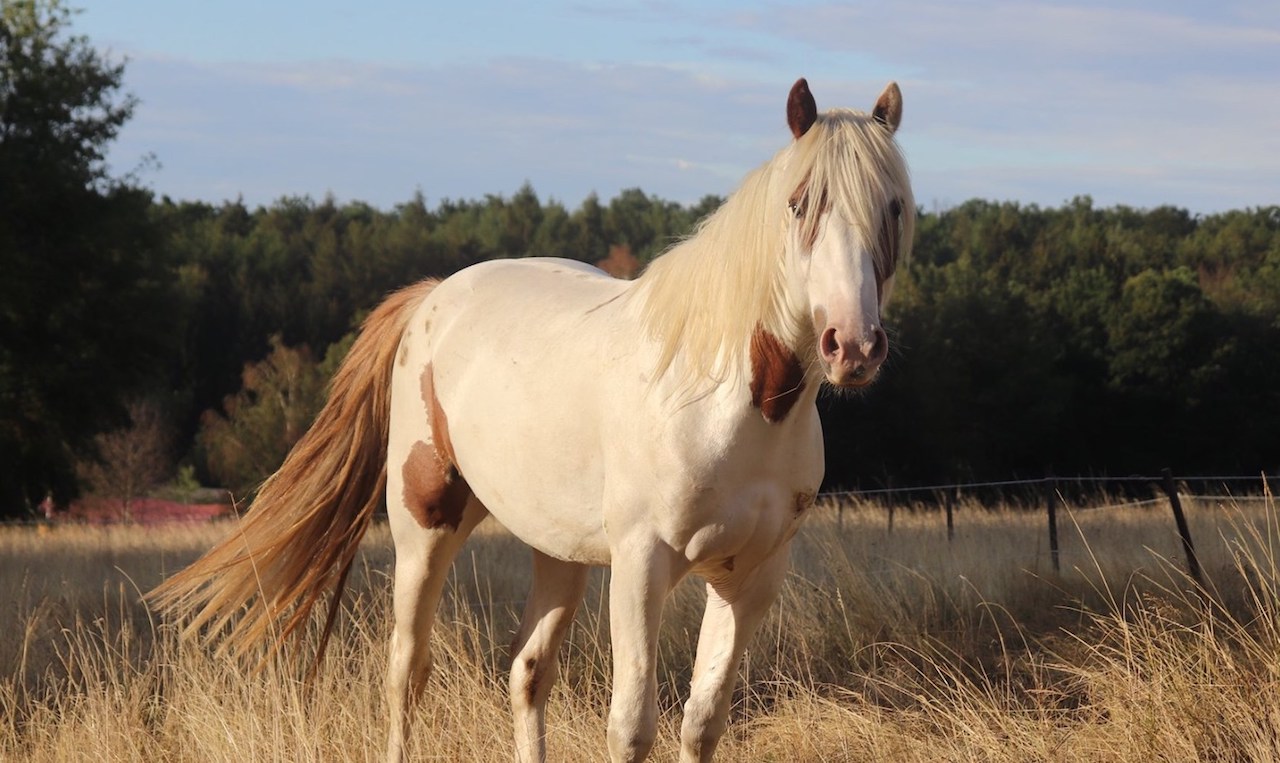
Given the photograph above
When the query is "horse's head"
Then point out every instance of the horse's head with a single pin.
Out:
(850, 216)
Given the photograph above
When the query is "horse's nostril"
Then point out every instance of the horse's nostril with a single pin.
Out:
(879, 346)
(830, 345)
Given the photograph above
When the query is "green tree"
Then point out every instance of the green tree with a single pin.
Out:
(587, 237)
(1165, 337)
(258, 425)
(83, 300)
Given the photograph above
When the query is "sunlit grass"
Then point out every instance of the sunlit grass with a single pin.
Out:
(884, 645)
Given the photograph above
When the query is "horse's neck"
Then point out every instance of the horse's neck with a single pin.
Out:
(755, 343)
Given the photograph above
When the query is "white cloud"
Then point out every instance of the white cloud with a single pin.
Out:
(1034, 102)
(377, 133)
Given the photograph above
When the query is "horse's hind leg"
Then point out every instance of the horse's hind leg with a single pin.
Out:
(427, 538)
(557, 590)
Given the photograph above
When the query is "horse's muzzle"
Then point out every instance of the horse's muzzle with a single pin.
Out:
(852, 362)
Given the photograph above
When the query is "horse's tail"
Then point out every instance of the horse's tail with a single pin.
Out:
(300, 537)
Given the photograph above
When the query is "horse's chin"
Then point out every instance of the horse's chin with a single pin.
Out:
(852, 381)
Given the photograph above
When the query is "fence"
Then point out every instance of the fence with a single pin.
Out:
(1051, 489)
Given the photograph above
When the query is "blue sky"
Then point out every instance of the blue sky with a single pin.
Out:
(1138, 103)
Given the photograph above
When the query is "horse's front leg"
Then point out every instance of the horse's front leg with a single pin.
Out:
(643, 572)
(736, 604)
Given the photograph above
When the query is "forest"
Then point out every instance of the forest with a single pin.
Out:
(1026, 340)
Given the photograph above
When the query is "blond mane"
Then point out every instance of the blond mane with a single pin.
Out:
(705, 297)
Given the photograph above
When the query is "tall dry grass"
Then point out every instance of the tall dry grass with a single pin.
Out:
(894, 646)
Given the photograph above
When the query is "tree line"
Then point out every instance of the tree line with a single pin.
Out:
(1075, 341)
(1025, 339)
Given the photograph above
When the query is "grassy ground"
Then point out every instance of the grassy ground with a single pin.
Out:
(896, 646)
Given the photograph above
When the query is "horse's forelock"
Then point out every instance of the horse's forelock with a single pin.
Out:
(850, 164)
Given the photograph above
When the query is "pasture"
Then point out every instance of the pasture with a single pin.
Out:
(896, 646)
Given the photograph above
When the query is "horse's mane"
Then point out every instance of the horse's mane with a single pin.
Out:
(705, 297)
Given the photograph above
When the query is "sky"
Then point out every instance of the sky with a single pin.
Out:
(1138, 103)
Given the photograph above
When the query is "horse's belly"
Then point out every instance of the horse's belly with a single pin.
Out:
(534, 462)
(563, 520)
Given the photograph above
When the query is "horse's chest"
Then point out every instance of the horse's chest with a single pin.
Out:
(732, 526)
(744, 495)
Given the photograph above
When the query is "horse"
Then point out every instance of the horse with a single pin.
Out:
(664, 427)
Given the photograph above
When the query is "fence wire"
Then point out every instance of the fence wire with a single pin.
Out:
(1078, 481)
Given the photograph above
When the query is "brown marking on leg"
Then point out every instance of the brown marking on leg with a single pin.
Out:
(532, 679)
(434, 491)
(422, 478)
(777, 378)
(804, 500)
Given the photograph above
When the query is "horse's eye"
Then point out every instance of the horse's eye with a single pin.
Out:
(796, 209)
(895, 208)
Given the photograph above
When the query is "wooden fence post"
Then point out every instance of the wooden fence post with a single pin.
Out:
(1051, 507)
(951, 522)
(1171, 490)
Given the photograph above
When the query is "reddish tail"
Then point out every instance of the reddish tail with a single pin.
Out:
(301, 534)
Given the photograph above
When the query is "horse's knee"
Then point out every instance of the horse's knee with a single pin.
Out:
(410, 666)
(700, 732)
(631, 739)
(531, 679)
(700, 747)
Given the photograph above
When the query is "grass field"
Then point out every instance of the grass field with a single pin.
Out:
(884, 646)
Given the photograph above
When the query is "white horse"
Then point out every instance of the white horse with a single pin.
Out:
(662, 426)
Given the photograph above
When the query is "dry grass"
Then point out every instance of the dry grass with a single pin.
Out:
(894, 646)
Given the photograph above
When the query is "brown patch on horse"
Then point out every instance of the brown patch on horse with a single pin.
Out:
(533, 677)
(890, 242)
(536, 667)
(802, 206)
(434, 491)
(435, 414)
(804, 500)
(777, 378)
(802, 110)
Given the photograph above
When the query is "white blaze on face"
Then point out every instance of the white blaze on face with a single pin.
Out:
(845, 298)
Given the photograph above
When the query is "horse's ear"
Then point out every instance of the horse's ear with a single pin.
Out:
(802, 111)
(888, 110)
